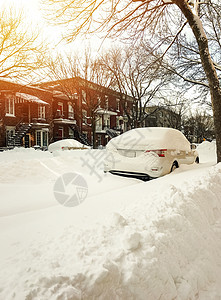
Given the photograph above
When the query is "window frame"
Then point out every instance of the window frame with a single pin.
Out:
(70, 111)
(84, 97)
(41, 138)
(106, 102)
(41, 112)
(10, 106)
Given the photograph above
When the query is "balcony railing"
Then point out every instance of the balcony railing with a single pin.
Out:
(102, 127)
(64, 115)
(99, 128)
(39, 120)
(59, 114)
(71, 115)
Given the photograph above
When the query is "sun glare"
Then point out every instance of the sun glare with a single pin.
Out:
(33, 18)
(30, 7)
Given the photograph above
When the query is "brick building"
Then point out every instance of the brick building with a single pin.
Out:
(51, 111)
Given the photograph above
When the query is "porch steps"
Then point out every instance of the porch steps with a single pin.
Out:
(80, 136)
(15, 140)
(111, 133)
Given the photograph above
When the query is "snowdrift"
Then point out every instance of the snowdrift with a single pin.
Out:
(207, 151)
(154, 240)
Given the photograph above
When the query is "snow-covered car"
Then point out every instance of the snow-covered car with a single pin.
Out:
(66, 144)
(148, 152)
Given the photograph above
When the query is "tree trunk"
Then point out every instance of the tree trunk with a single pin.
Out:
(215, 92)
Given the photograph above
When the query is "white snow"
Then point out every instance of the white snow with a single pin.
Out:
(207, 151)
(128, 240)
(65, 144)
(151, 138)
(31, 98)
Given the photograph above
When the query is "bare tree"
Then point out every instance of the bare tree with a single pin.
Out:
(178, 106)
(184, 56)
(133, 73)
(85, 77)
(198, 126)
(139, 15)
(21, 51)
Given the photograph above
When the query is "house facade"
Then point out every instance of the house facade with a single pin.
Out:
(24, 116)
(45, 113)
(96, 111)
(159, 116)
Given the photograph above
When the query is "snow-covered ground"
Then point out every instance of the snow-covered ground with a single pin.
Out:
(128, 239)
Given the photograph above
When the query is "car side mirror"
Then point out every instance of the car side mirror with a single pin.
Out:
(193, 146)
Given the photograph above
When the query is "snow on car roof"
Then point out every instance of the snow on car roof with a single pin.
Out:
(151, 138)
(65, 143)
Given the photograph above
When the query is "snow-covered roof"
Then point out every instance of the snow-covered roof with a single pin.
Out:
(31, 98)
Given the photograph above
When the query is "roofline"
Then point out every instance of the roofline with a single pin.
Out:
(85, 80)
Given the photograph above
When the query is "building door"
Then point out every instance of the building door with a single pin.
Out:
(27, 141)
(45, 138)
(60, 133)
(10, 131)
(42, 138)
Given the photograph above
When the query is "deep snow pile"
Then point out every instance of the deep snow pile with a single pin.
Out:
(207, 151)
(128, 240)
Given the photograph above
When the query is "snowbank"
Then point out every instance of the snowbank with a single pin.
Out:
(159, 247)
(128, 240)
(18, 154)
(207, 151)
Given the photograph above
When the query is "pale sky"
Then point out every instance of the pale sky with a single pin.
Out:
(51, 34)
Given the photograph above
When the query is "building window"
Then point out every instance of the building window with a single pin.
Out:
(70, 133)
(60, 110)
(106, 102)
(10, 106)
(38, 138)
(107, 121)
(84, 116)
(84, 97)
(41, 112)
(99, 101)
(118, 104)
(42, 138)
(70, 111)
(99, 124)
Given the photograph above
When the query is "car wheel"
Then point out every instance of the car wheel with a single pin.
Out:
(145, 178)
(197, 160)
(174, 166)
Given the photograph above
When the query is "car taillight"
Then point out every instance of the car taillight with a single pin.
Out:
(160, 152)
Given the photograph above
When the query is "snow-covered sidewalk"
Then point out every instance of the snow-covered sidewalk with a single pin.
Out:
(128, 240)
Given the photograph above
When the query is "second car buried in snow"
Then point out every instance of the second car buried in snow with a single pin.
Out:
(148, 152)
